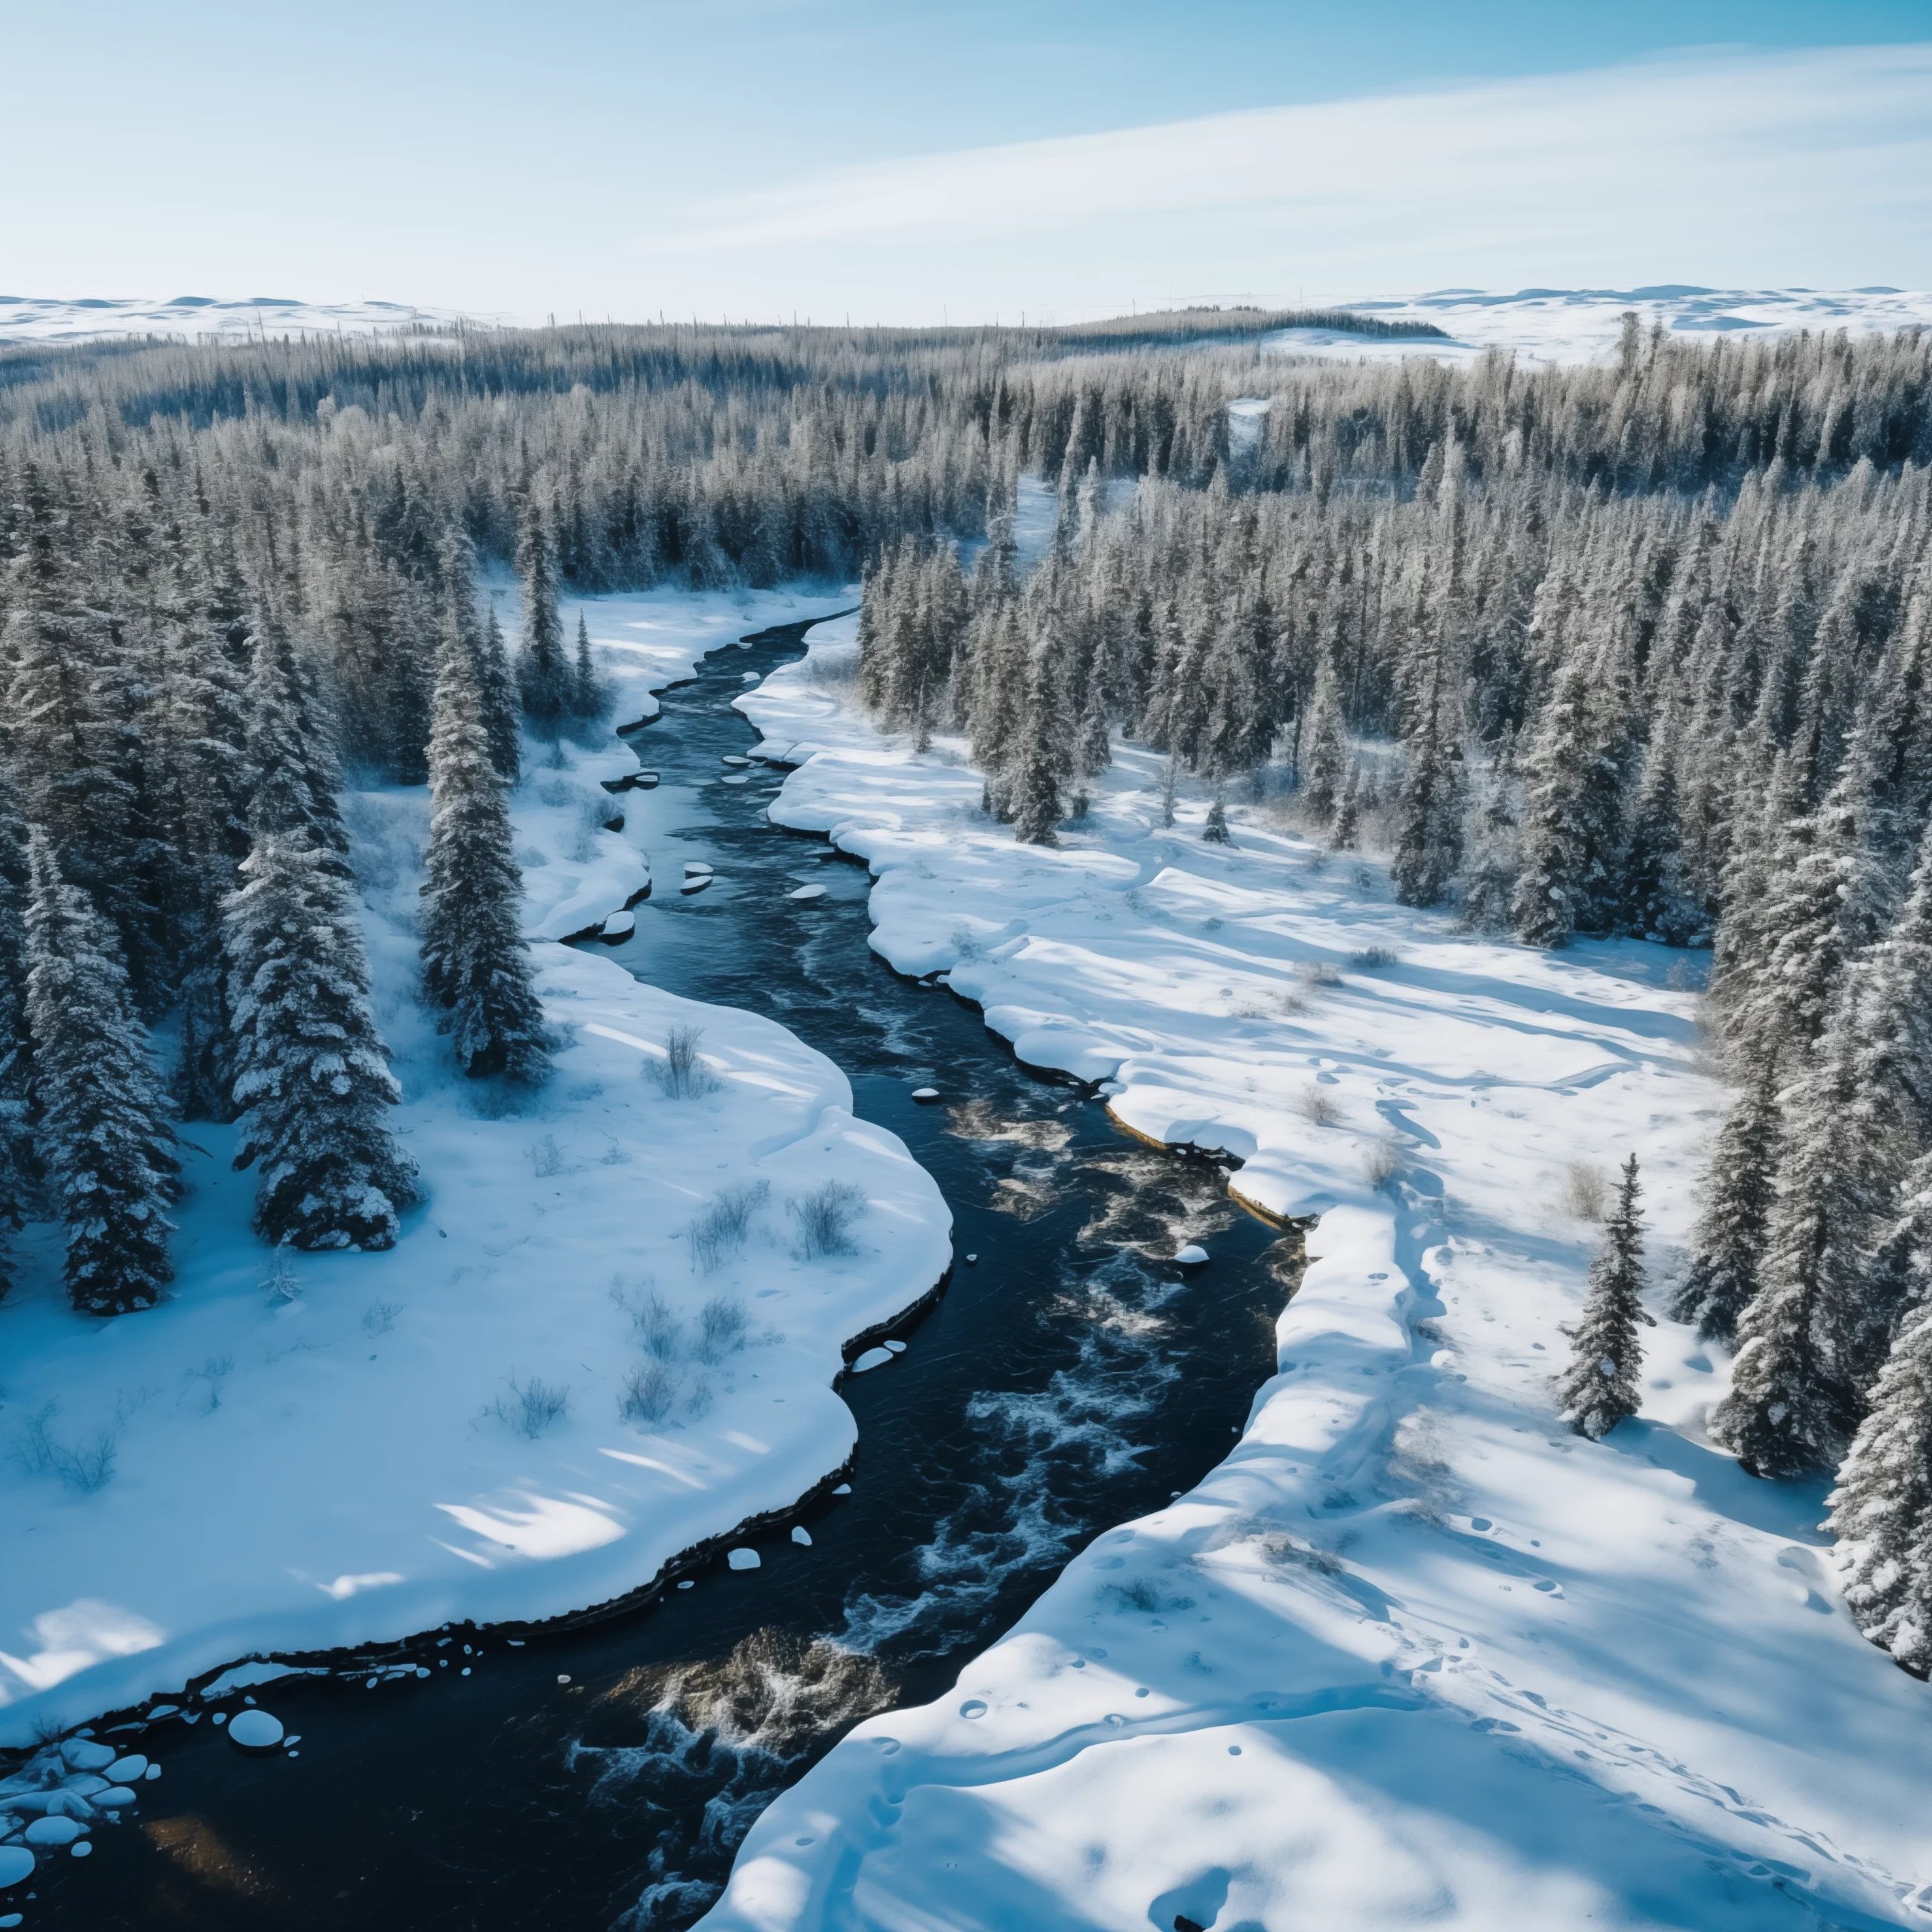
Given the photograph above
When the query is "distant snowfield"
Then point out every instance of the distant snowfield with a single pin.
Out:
(1583, 324)
(1541, 325)
(346, 1467)
(1414, 1652)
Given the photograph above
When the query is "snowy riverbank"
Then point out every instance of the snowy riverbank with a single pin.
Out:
(365, 1448)
(1414, 1651)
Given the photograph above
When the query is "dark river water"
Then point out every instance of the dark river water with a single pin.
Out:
(1064, 1383)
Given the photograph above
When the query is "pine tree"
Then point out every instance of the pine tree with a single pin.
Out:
(1603, 1384)
(1034, 795)
(102, 1128)
(1571, 812)
(1728, 1246)
(475, 964)
(1215, 832)
(503, 715)
(587, 698)
(312, 1073)
(20, 1165)
(1428, 837)
(545, 672)
(1881, 1507)
(1347, 827)
(1324, 764)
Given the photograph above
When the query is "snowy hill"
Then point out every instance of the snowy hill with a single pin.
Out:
(29, 318)
(1582, 324)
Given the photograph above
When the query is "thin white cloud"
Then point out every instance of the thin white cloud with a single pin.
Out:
(1814, 162)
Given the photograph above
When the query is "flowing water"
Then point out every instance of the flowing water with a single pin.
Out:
(1065, 1381)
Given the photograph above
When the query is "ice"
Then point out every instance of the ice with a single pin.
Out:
(895, 1348)
(734, 758)
(82, 1754)
(695, 882)
(807, 892)
(925, 1094)
(697, 869)
(1192, 1256)
(255, 1731)
(125, 1770)
(54, 1830)
(16, 1864)
(843, 1489)
(871, 1358)
(742, 1559)
(80, 1848)
(801, 1536)
(620, 925)
(114, 1797)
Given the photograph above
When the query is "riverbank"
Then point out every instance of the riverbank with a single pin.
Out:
(603, 1339)
(1413, 1649)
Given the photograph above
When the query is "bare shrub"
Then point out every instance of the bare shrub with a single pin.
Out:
(1381, 1160)
(660, 1331)
(722, 1327)
(681, 1073)
(723, 1227)
(546, 1157)
(214, 1372)
(591, 815)
(825, 1218)
(1312, 973)
(379, 1317)
(1373, 958)
(531, 1407)
(649, 1393)
(85, 1465)
(1585, 1191)
(1316, 1105)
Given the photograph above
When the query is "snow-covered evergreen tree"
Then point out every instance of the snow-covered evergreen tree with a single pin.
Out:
(312, 1074)
(1727, 1248)
(1324, 757)
(1603, 1384)
(1881, 1508)
(503, 710)
(1572, 798)
(545, 671)
(101, 1125)
(587, 699)
(1428, 822)
(476, 971)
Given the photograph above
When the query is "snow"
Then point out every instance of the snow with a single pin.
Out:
(16, 1864)
(199, 318)
(1192, 1256)
(744, 1559)
(257, 1731)
(807, 892)
(1414, 1651)
(871, 1358)
(347, 1467)
(1583, 324)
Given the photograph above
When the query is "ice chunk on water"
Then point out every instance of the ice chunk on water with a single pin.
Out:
(83, 1755)
(871, 1358)
(742, 1559)
(125, 1771)
(54, 1830)
(800, 1535)
(925, 1094)
(16, 1864)
(807, 892)
(255, 1731)
(1191, 1256)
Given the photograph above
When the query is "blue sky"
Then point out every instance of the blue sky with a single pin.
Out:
(738, 156)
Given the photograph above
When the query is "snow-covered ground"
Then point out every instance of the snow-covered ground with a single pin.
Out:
(1414, 1652)
(1583, 324)
(361, 1450)
(33, 318)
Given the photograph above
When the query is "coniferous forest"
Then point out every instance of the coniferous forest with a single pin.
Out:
(1642, 649)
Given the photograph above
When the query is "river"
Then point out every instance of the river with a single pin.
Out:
(1063, 1383)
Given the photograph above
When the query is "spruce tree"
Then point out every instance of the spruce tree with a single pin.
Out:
(1215, 832)
(586, 687)
(312, 1074)
(1572, 789)
(1727, 1248)
(1324, 764)
(1428, 836)
(476, 970)
(1881, 1508)
(503, 713)
(1603, 1385)
(102, 1126)
(545, 672)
